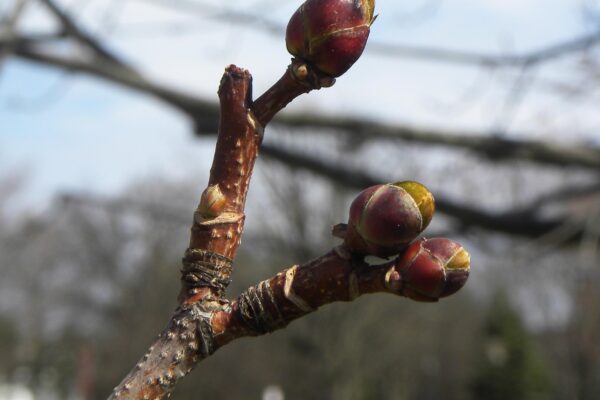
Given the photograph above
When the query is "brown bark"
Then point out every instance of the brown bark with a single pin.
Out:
(198, 329)
(219, 230)
(204, 314)
(299, 290)
(299, 78)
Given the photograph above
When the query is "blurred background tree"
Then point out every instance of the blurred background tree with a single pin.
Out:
(511, 367)
(94, 212)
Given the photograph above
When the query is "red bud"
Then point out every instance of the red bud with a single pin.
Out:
(433, 268)
(330, 34)
(385, 218)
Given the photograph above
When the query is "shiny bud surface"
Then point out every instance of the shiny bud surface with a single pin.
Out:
(330, 34)
(385, 218)
(431, 269)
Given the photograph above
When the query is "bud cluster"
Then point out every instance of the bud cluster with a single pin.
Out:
(385, 219)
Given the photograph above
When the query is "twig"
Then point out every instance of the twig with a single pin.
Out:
(197, 328)
(71, 28)
(8, 24)
(202, 112)
(196, 331)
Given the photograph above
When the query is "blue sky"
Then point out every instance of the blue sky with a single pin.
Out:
(79, 134)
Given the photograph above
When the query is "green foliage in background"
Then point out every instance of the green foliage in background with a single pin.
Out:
(510, 366)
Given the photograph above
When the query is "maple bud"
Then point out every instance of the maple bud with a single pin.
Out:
(330, 34)
(430, 269)
(385, 218)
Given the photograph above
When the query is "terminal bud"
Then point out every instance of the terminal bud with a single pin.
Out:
(330, 34)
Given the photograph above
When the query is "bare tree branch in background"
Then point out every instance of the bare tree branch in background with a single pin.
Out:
(75, 32)
(8, 23)
(203, 114)
(515, 223)
(427, 54)
(102, 63)
(487, 145)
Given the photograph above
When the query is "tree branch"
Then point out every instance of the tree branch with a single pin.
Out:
(215, 235)
(71, 28)
(487, 145)
(544, 54)
(8, 24)
(196, 331)
(203, 113)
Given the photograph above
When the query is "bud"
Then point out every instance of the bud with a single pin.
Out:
(433, 268)
(212, 202)
(330, 34)
(385, 218)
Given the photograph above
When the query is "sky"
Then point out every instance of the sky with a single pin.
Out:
(78, 134)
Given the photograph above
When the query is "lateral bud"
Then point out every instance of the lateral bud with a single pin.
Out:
(212, 202)
(431, 269)
(386, 218)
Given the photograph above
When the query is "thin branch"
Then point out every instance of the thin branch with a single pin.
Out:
(214, 239)
(196, 329)
(11, 41)
(433, 54)
(210, 11)
(487, 145)
(10, 21)
(359, 180)
(8, 24)
(563, 194)
(465, 216)
(202, 112)
(71, 28)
